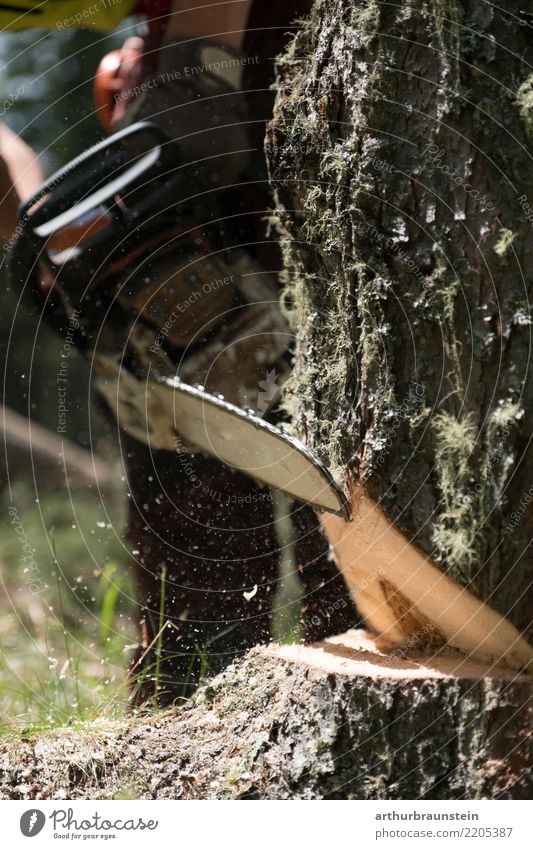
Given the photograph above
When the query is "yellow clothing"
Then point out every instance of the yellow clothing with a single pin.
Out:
(63, 14)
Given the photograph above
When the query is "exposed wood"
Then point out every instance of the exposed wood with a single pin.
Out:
(398, 588)
(338, 720)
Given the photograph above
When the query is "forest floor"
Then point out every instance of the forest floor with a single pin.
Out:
(338, 720)
(68, 610)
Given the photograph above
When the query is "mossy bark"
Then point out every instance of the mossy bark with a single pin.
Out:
(399, 153)
(299, 723)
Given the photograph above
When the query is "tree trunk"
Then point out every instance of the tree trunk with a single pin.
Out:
(399, 155)
(336, 721)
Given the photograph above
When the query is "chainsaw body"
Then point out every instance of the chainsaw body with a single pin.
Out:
(117, 223)
(130, 249)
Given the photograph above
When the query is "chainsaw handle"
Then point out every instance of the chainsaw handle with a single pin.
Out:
(103, 169)
(89, 181)
(27, 245)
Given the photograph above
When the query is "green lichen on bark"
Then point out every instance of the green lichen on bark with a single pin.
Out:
(398, 153)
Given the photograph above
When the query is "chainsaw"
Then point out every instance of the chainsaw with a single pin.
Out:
(125, 249)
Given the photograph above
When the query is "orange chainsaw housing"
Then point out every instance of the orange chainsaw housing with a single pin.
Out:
(107, 85)
(117, 79)
(124, 69)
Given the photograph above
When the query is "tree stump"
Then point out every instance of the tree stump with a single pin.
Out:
(337, 720)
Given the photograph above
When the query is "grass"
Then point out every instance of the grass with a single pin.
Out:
(64, 647)
(68, 625)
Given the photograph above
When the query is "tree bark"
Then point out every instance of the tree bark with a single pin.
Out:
(399, 155)
(338, 720)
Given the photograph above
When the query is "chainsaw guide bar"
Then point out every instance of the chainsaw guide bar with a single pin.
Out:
(244, 441)
(167, 414)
